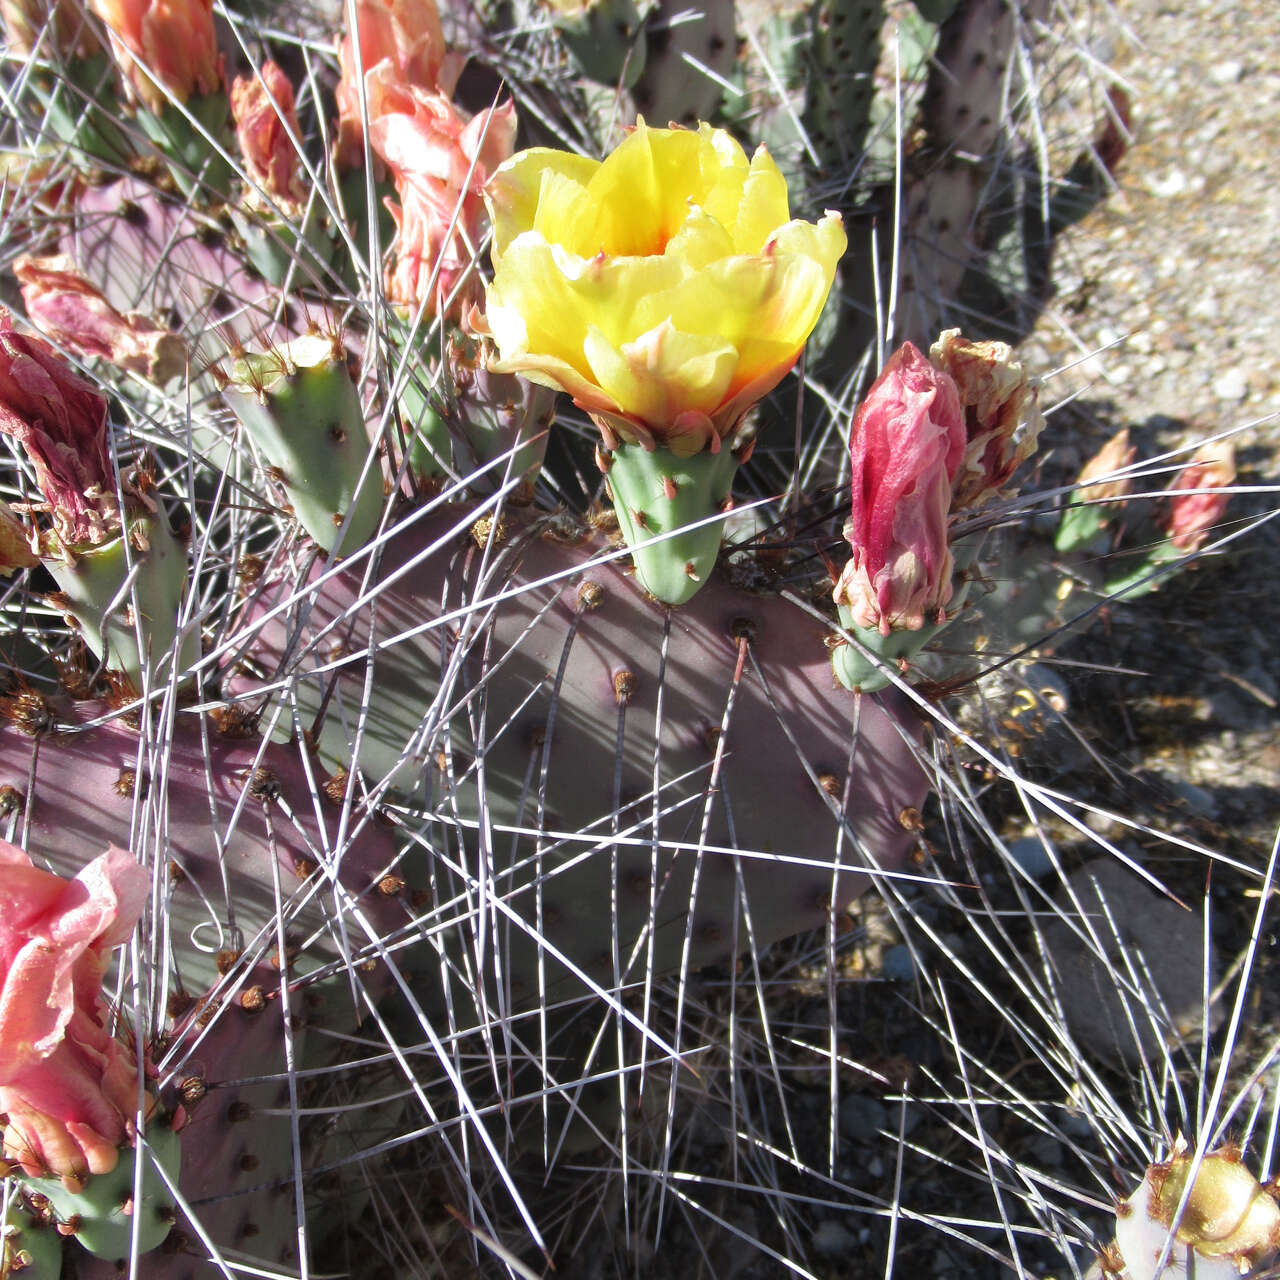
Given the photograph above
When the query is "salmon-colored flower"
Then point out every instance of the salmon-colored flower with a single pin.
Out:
(72, 311)
(1002, 418)
(906, 449)
(266, 121)
(69, 1089)
(164, 47)
(407, 35)
(60, 420)
(440, 161)
(666, 289)
(1192, 515)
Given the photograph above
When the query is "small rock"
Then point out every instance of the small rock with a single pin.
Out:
(1229, 72)
(898, 964)
(1231, 384)
(831, 1240)
(1171, 183)
(1029, 853)
(1135, 929)
(862, 1118)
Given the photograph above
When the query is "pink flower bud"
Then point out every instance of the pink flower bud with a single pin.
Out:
(164, 47)
(1098, 479)
(74, 313)
(906, 447)
(440, 162)
(266, 125)
(1192, 515)
(68, 1087)
(60, 420)
(407, 35)
(1002, 420)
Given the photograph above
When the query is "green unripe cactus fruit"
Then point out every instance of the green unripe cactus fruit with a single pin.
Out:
(655, 493)
(118, 593)
(105, 1213)
(300, 407)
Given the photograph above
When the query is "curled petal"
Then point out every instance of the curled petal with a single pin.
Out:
(266, 124)
(1204, 495)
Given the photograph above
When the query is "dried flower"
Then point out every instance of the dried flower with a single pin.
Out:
(1002, 418)
(906, 447)
(406, 34)
(665, 288)
(266, 121)
(74, 312)
(68, 1087)
(164, 47)
(1100, 477)
(1192, 515)
(54, 28)
(440, 162)
(61, 422)
(15, 547)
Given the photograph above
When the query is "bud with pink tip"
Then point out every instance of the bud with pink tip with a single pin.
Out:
(1102, 483)
(1200, 495)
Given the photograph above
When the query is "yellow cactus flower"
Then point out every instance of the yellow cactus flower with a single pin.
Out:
(666, 288)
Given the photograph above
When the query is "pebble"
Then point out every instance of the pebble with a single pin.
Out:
(1228, 72)
(862, 1118)
(898, 964)
(1164, 942)
(1231, 384)
(831, 1239)
(1029, 853)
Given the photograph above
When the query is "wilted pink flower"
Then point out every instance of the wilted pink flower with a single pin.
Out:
(907, 445)
(1192, 515)
(1099, 479)
(68, 1087)
(1002, 420)
(266, 124)
(73, 312)
(163, 45)
(440, 161)
(61, 422)
(407, 35)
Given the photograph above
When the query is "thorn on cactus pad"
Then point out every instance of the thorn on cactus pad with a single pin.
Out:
(11, 801)
(226, 960)
(624, 685)
(253, 1000)
(590, 595)
(264, 786)
(238, 1112)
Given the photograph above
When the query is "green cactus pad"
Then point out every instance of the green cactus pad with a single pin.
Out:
(606, 40)
(283, 249)
(183, 135)
(78, 103)
(104, 1212)
(29, 1250)
(300, 407)
(655, 493)
(91, 581)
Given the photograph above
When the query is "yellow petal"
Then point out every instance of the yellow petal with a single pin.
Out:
(643, 190)
(663, 372)
(700, 242)
(764, 206)
(515, 191)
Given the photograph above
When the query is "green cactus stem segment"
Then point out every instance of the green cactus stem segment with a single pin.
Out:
(105, 1211)
(1081, 525)
(200, 168)
(78, 102)
(1144, 576)
(284, 248)
(655, 493)
(92, 584)
(301, 409)
(28, 1249)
